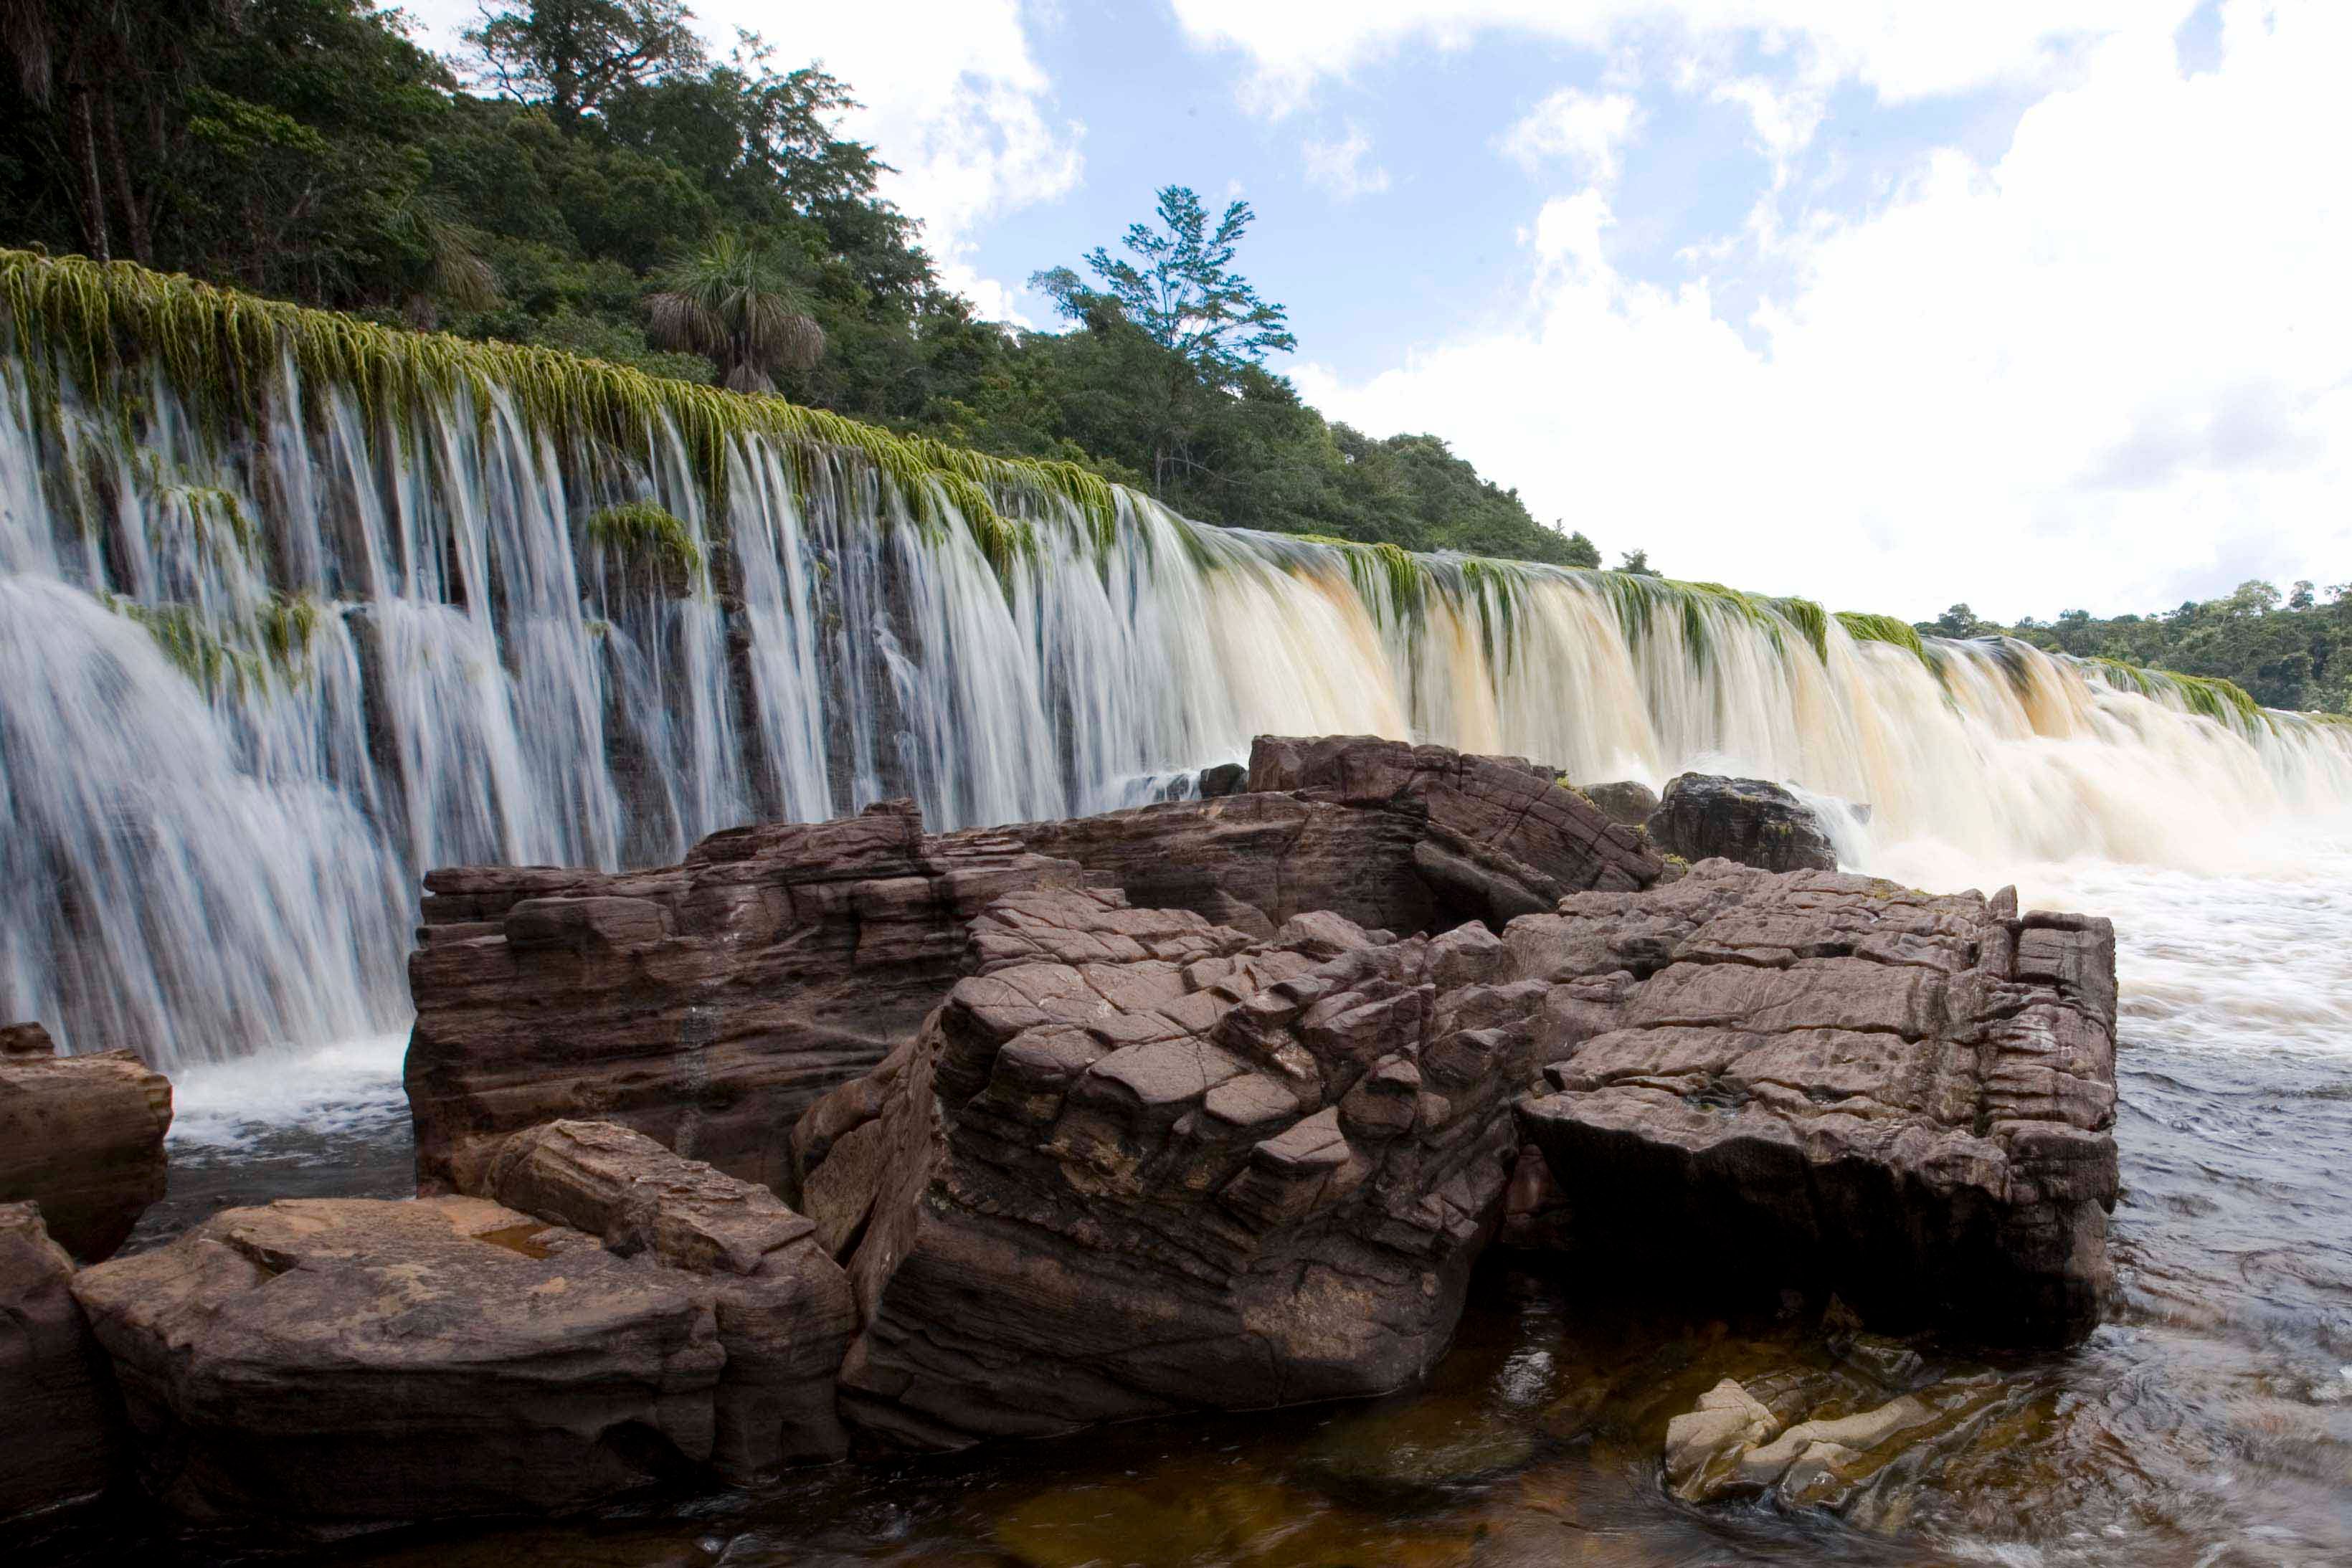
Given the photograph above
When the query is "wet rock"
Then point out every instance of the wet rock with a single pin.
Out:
(705, 1004)
(63, 1445)
(783, 1306)
(81, 1137)
(1225, 778)
(1704, 1448)
(1140, 1163)
(1417, 1451)
(1704, 817)
(1628, 803)
(1834, 1083)
(1841, 1459)
(327, 1365)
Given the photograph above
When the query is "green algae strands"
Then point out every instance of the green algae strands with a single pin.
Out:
(220, 351)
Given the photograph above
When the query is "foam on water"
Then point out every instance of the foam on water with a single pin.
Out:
(345, 1089)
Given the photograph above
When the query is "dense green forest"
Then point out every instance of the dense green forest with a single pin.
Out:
(588, 176)
(2290, 651)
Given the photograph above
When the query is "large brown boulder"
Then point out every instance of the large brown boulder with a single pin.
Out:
(618, 1316)
(1834, 1082)
(327, 1365)
(61, 1449)
(1391, 836)
(783, 1310)
(703, 1004)
(1140, 1163)
(1703, 816)
(80, 1136)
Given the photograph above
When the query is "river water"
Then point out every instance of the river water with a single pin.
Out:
(2207, 1425)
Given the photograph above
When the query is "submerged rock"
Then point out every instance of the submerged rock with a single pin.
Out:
(1142, 1163)
(1835, 1084)
(81, 1137)
(704, 1004)
(623, 1317)
(1704, 817)
(63, 1444)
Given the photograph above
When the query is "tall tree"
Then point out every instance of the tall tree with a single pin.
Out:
(1184, 293)
(571, 55)
(735, 303)
(104, 62)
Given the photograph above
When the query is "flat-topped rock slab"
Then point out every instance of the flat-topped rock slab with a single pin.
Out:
(1834, 1083)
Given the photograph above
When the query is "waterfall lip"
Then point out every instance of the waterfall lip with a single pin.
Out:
(311, 606)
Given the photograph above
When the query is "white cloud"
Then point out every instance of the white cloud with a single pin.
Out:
(950, 92)
(2116, 362)
(1588, 131)
(1339, 168)
(1902, 51)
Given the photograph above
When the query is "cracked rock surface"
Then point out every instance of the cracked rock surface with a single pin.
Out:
(1140, 1163)
(1834, 1082)
(604, 1316)
(705, 1004)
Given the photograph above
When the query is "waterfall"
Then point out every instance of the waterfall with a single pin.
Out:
(269, 653)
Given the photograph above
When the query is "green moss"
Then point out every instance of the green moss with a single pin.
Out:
(639, 533)
(2224, 701)
(220, 351)
(1867, 628)
(242, 654)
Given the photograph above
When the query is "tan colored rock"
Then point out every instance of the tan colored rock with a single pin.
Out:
(82, 1137)
(1706, 1447)
(64, 1443)
(783, 1310)
(327, 1365)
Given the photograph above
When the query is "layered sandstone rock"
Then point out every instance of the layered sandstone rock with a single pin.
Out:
(326, 1365)
(1704, 817)
(781, 1304)
(1391, 836)
(82, 1137)
(704, 1004)
(60, 1450)
(1139, 1163)
(1836, 1083)
(620, 1316)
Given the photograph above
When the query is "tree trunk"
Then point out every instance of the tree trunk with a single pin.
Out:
(79, 119)
(134, 216)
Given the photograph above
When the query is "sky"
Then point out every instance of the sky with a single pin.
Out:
(2033, 304)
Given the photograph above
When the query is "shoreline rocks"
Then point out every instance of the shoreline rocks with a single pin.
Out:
(81, 1137)
(624, 1318)
(1139, 1164)
(64, 1447)
(704, 1004)
(1836, 1083)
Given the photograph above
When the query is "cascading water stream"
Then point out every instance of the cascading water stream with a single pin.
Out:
(258, 673)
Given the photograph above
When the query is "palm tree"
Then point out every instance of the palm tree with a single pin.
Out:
(735, 303)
